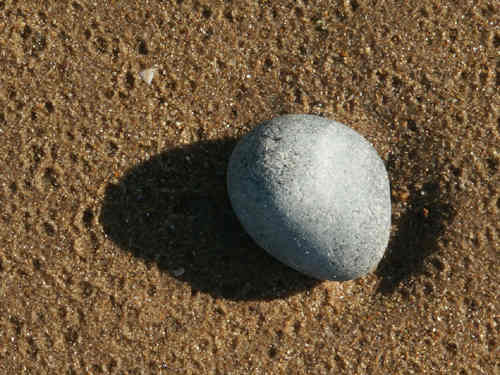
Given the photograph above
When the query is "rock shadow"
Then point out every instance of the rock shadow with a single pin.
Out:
(416, 238)
(174, 210)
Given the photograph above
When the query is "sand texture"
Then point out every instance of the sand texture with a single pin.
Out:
(119, 252)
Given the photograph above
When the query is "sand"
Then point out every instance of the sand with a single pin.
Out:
(119, 252)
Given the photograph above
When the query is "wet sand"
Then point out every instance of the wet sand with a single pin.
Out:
(119, 252)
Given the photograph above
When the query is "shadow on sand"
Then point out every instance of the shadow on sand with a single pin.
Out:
(418, 230)
(174, 210)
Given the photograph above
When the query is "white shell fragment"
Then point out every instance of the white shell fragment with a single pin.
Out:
(148, 74)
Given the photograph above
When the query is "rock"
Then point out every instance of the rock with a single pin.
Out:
(314, 194)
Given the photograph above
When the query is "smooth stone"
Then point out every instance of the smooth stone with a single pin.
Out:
(314, 194)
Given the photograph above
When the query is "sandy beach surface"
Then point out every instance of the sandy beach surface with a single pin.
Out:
(119, 252)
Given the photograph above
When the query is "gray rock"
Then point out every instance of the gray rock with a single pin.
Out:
(314, 194)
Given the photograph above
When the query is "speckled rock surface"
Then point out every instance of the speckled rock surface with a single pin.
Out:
(314, 194)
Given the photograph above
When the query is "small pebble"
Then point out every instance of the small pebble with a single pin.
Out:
(147, 75)
(314, 194)
(178, 272)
